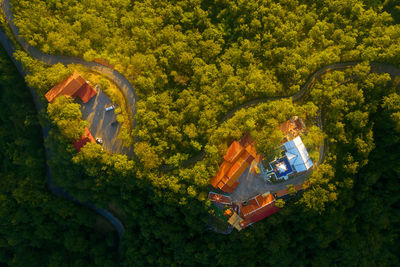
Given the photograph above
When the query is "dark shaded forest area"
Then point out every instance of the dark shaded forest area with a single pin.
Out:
(37, 228)
(191, 63)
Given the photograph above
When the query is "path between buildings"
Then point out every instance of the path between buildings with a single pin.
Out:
(130, 93)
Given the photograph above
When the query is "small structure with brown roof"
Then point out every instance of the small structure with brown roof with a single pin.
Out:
(73, 86)
(236, 160)
(292, 128)
(87, 137)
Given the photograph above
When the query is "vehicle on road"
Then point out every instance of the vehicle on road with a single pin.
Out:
(99, 140)
(110, 108)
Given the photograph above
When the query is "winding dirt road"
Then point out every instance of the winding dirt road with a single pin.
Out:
(130, 93)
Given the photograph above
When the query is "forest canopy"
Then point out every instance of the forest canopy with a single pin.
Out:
(36, 227)
(193, 64)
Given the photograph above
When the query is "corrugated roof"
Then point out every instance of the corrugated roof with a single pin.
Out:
(297, 155)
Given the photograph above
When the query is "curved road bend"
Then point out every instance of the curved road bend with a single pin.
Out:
(112, 74)
(376, 67)
(129, 91)
(58, 191)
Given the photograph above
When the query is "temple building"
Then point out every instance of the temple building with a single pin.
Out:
(241, 158)
(237, 159)
(257, 209)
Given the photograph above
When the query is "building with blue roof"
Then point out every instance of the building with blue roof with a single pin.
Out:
(297, 155)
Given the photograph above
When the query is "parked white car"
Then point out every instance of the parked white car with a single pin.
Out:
(99, 140)
(110, 108)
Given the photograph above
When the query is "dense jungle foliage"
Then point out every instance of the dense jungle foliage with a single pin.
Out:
(36, 227)
(191, 63)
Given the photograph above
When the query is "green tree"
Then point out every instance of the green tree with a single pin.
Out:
(67, 116)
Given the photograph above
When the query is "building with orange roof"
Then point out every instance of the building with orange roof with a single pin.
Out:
(237, 159)
(242, 155)
(254, 205)
(73, 86)
(257, 209)
(262, 213)
(87, 137)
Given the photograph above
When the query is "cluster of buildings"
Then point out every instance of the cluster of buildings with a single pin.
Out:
(294, 157)
(242, 158)
(74, 86)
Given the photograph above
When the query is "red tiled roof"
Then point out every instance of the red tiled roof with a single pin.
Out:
(260, 214)
(264, 212)
(86, 92)
(72, 86)
(87, 137)
(245, 223)
(238, 168)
